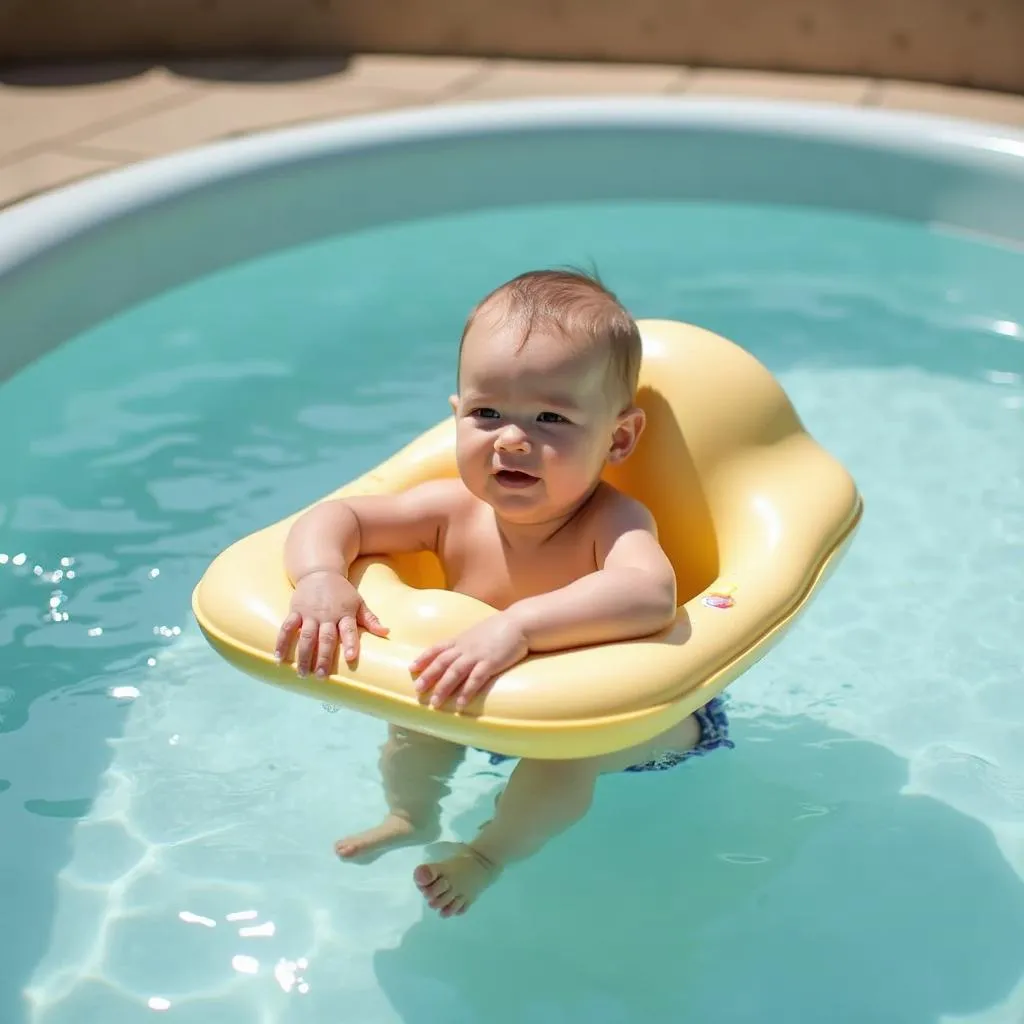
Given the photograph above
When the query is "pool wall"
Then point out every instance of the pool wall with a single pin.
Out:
(961, 42)
(76, 256)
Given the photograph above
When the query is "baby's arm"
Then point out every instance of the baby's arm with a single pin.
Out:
(320, 549)
(332, 535)
(631, 594)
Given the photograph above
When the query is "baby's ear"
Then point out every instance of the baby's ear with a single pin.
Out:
(453, 401)
(627, 432)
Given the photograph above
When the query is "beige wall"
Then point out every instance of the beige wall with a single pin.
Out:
(961, 42)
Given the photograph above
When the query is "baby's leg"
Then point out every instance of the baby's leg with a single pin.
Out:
(542, 799)
(415, 769)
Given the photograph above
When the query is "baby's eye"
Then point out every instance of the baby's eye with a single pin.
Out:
(551, 417)
(485, 413)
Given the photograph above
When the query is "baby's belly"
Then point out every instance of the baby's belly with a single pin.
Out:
(502, 595)
(498, 600)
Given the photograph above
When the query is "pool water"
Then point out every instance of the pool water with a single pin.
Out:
(166, 824)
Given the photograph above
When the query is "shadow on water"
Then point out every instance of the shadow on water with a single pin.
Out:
(803, 887)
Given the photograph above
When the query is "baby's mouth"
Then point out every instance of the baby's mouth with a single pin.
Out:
(514, 478)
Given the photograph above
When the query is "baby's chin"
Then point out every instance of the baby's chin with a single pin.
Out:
(522, 509)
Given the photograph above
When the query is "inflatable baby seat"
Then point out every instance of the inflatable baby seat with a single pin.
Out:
(752, 512)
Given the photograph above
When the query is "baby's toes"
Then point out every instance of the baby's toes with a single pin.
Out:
(436, 888)
(440, 894)
(425, 876)
(457, 906)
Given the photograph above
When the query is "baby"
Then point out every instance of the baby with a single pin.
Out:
(546, 399)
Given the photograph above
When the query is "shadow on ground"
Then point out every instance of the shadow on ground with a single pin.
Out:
(227, 69)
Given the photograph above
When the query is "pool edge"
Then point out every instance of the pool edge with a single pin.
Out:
(46, 220)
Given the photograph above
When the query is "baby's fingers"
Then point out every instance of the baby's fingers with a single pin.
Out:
(349, 637)
(481, 675)
(370, 622)
(421, 661)
(286, 635)
(450, 681)
(438, 666)
(307, 645)
(327, 644)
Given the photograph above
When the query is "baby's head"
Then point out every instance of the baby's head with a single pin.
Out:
(548, 370)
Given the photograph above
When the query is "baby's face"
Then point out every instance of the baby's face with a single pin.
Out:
(535, 423)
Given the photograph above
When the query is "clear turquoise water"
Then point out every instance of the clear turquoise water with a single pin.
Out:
(859, 856)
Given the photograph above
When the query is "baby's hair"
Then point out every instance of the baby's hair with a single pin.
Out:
(579, 306)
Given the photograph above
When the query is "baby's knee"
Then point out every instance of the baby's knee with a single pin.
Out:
(400, 738)
(572, 780)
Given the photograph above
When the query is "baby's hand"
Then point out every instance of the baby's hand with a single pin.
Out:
(324, 604)
(466, 664)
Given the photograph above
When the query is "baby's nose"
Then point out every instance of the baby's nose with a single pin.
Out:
(512, 439)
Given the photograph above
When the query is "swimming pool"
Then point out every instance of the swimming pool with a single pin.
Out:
(222, 337)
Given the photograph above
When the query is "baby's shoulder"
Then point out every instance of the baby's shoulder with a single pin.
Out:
(623, 524)
(612, 512)
(447, 496)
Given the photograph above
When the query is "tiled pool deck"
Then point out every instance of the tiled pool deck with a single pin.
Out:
(58, 124)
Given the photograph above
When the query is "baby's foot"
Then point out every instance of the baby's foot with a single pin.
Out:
(451, 885)
(394, 831)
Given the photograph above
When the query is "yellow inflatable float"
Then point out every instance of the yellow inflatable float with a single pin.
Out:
(752, 512)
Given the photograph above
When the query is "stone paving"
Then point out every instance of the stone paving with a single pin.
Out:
(62, 123)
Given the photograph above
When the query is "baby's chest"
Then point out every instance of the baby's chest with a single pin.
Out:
(490, 572)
